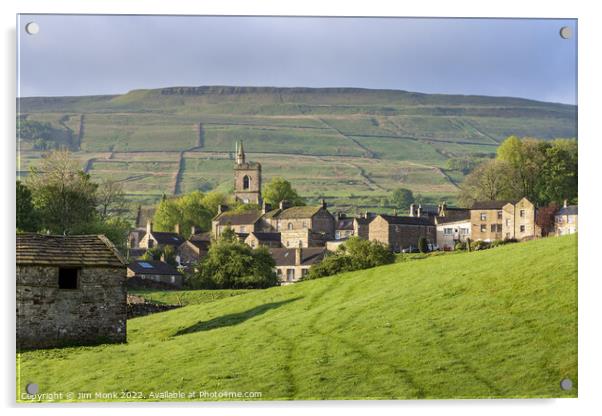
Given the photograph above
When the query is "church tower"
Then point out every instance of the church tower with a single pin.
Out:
(247, 178)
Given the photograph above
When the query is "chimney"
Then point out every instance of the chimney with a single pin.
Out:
(443, 209)
(193, 230)
(366, 214)
(394, 212)
(323, 201)
(298, 254)
(419, 211)
(221, 208)
(412, 210)
(176, 228)
(149, 227)
(265, 207)
(284, 204)
(566, 203)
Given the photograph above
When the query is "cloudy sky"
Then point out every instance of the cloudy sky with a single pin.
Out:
(85, 55)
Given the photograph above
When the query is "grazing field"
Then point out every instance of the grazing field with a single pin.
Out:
(487, 324)
(332, 143)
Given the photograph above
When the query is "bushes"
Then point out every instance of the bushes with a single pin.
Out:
(423, 245)
(355, 254)
(460, 245)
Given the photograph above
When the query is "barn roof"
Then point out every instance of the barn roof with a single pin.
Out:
(71, 250)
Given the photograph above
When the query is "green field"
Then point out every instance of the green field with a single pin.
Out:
(321, 138)
(494, 323)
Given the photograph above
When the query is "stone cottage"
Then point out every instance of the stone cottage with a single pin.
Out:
(499, 220)
(70, 291)
(294, 263)
(400, 232)
(141, 272)
(565, 220)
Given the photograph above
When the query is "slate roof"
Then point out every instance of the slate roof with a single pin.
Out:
(136, 252)
(400, 220)
(238, 218)
(344, 224)
(71, 250)
(454, 215)
(570, 210)
(364, 221)
(299, 212)
(167, 238)
(286, 256)
(490, 204)
(156, 267)
(267, 236)
(200, 244)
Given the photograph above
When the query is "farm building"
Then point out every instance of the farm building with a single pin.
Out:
(70, 290)
(141, 272)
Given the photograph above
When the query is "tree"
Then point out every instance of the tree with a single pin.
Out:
(354, 254)
(62, 193)
(402, 198)
(186, 211)
(26, 216)
(559, 172)
(110, 198)
(116, 229)
(278, 190)
(489, 181)
(234, 265)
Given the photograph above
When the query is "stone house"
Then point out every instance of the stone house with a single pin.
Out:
(294, 263)
(565, 220)
(400, 232)
(140, 272)
(310, 224)
(361, 225)
(70, 290)
(258, 239)
(193, 249)
(499, 220)
(344, 226)
(240, 222)
(143, 216)
(160, 239)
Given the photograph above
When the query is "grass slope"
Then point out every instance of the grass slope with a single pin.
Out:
(496, 323)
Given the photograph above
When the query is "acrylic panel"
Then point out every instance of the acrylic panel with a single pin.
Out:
(238, 208)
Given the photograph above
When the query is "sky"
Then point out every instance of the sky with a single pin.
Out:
(93, 55)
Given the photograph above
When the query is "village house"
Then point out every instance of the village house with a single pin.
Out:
(502, 220)
(294, 263)
(565, 220)
(194, 249)
(160, 239)
(453, 226)
(259, 239)
(361, 225)
(240, 222)
(70, 290)
(401, 232)
(140, 272)
(344, 226)
(143, 216)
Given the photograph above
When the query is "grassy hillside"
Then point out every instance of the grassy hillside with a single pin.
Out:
(495, 323)
(193, 130)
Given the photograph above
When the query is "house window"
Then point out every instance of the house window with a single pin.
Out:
(483, 216)
(68, 278)
(464, 231)
(483, 228)
(499, 215)
(448, 231)
(290, 275)
(522, 213)
(522, 228)
(290, 226)
(246, 182)
(507, 222)
(493, 228)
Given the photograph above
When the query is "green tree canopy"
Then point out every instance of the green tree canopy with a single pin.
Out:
(402, 198)
(63, 195)
(26, 216)
(230, 264)
(279, 189)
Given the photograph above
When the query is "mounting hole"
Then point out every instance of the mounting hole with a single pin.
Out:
(566, 384)
(32, 28)
(565, 32)
(32, 388)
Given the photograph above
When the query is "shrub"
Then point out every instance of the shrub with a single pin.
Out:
(479, 245)
(460, 245)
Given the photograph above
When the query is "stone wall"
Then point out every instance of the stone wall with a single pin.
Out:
(93, 313)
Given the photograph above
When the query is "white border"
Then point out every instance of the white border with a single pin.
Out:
(590, 145)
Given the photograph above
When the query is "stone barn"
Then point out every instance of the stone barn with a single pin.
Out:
(70, 291)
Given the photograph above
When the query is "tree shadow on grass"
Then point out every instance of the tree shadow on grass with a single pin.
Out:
(233, 318)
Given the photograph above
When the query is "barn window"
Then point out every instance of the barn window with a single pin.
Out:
(246, 182)
(68, 277)
(290, 225)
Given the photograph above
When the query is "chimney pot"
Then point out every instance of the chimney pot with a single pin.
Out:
(323, 201)
(566, 203)
(298, 253)
(193, 230)
(176, 228)
(412, 210)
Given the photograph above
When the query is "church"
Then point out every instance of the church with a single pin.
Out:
(247, 178)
